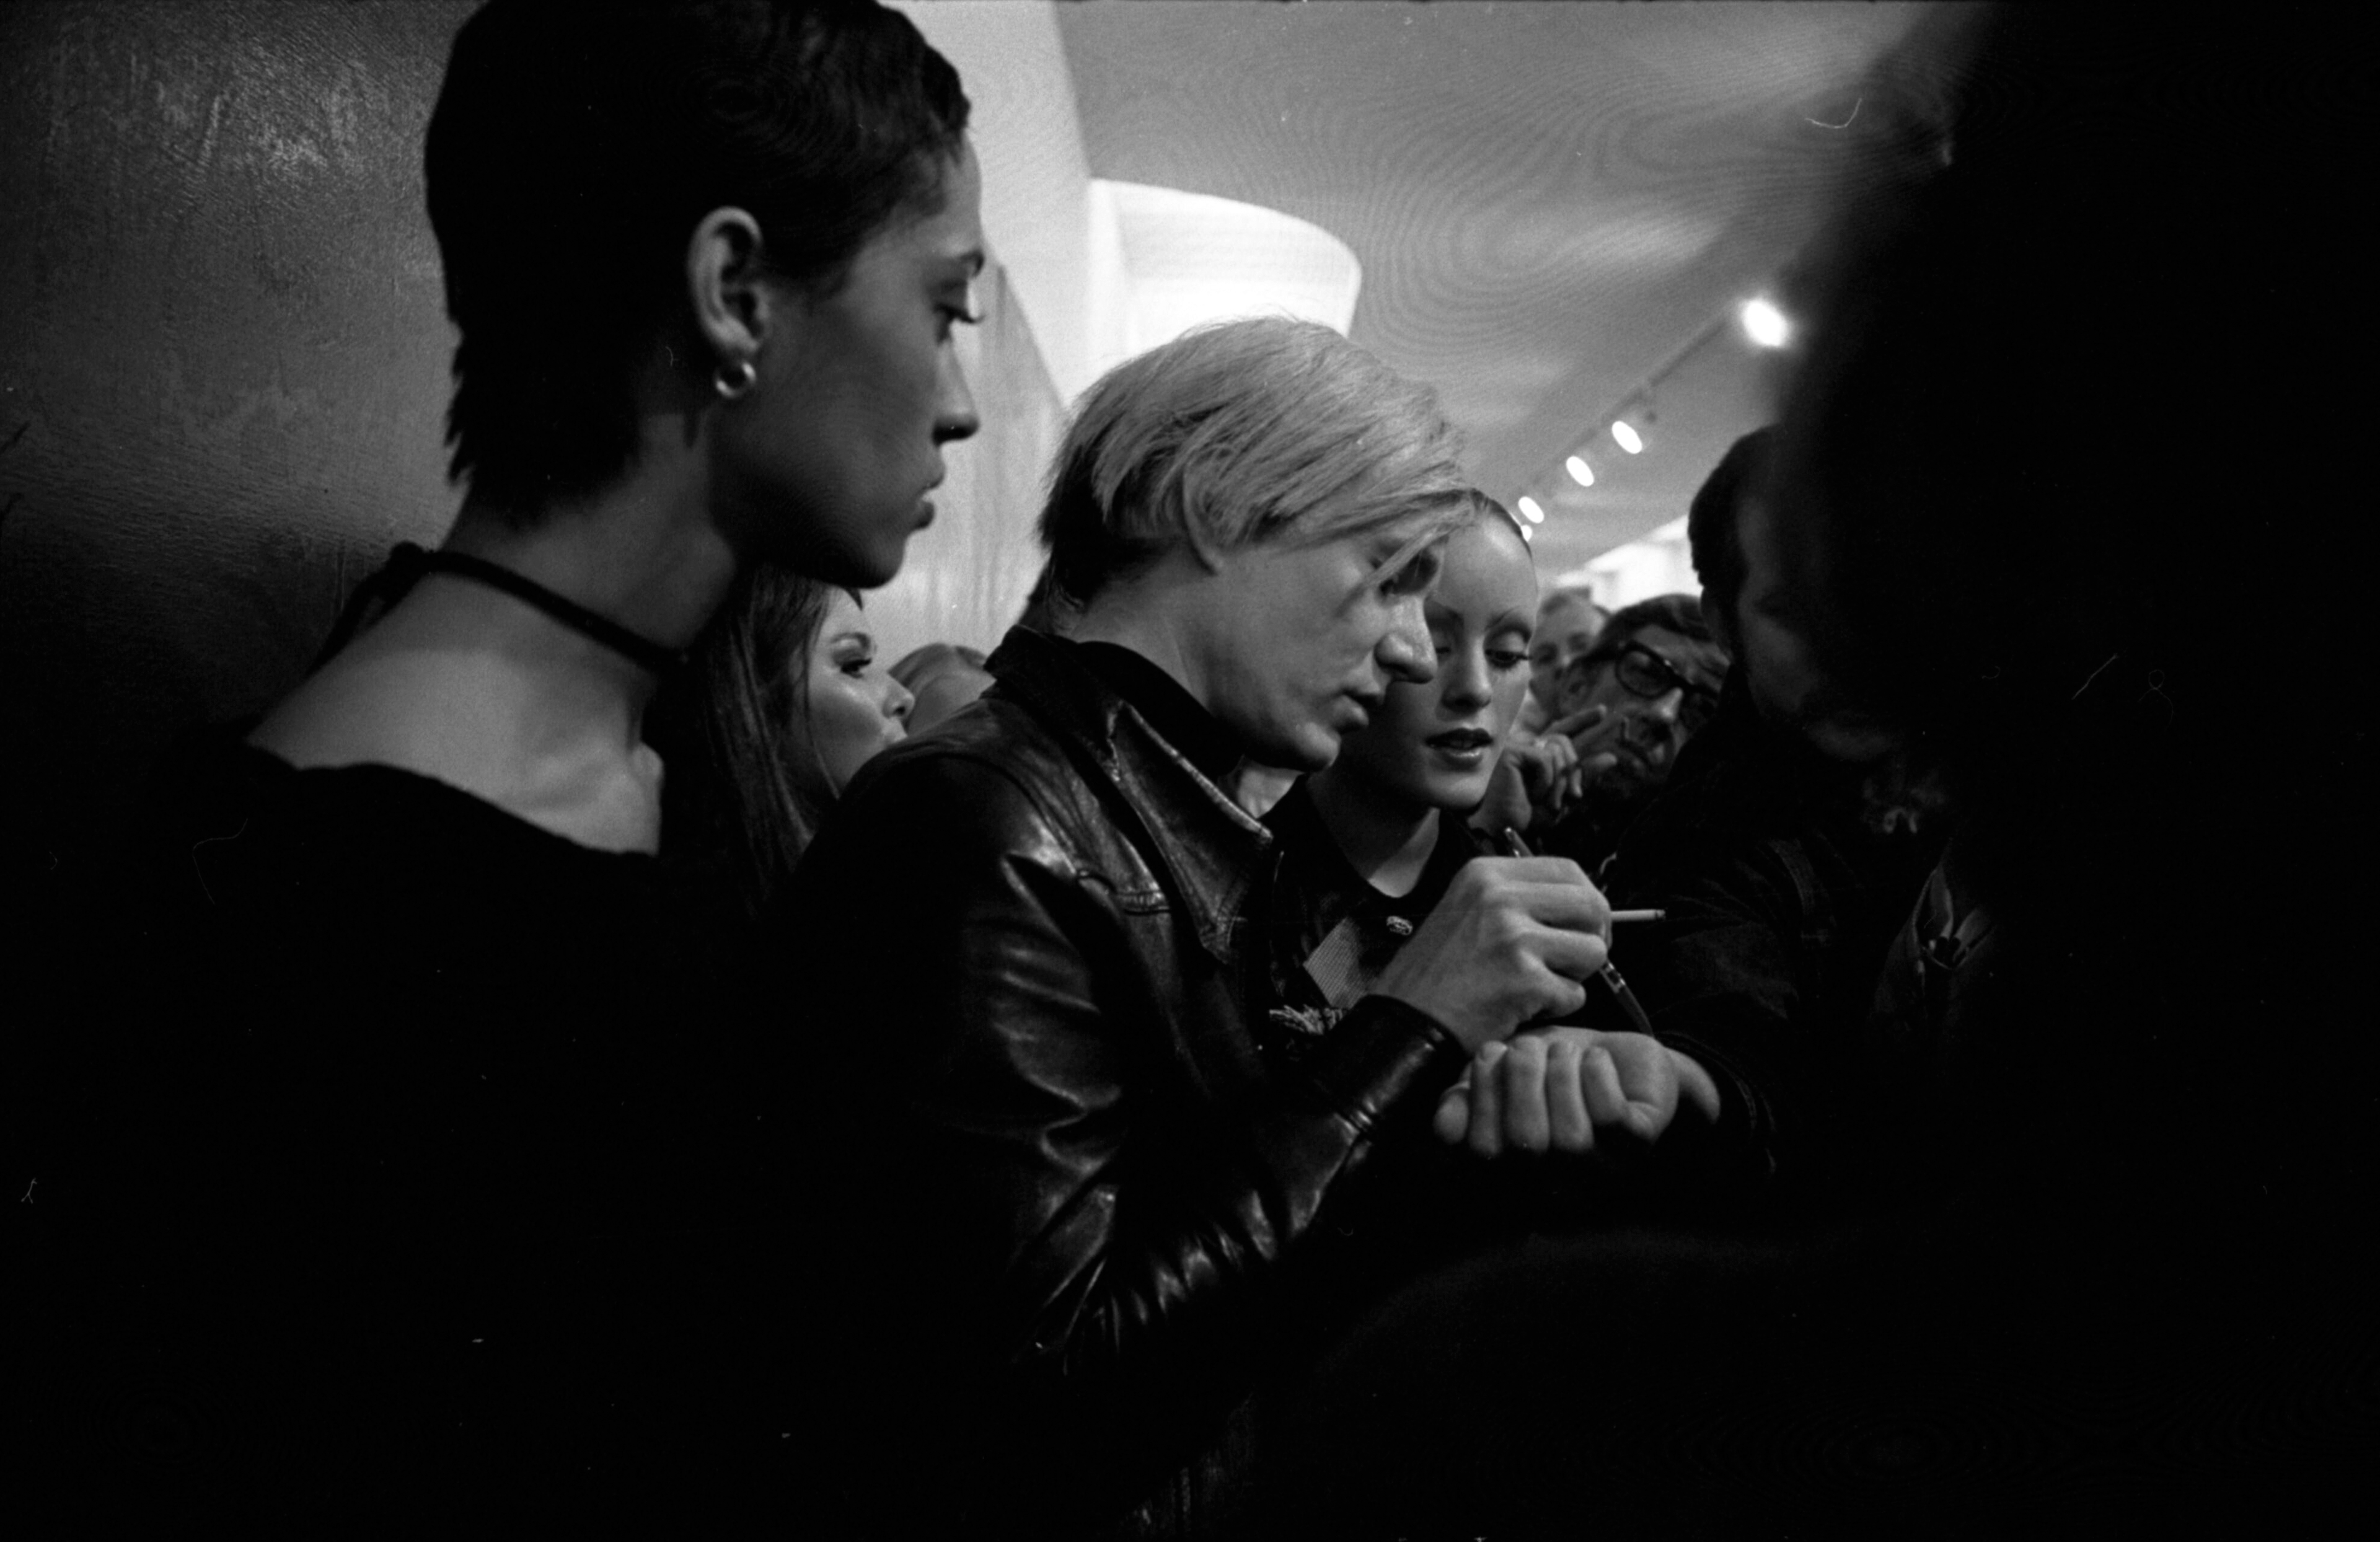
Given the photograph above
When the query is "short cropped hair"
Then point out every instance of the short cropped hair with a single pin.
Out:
(1714, 531)
(574, 149)
(1682, 613)
(1241, 434)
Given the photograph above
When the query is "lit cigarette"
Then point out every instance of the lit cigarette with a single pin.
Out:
(1510, 839)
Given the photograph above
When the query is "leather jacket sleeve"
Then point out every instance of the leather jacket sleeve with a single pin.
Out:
(1080, 1180)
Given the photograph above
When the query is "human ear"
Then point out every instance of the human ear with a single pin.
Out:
(1204, 548)
(733, 306)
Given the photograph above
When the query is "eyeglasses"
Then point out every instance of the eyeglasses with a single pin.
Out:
(1647, 674)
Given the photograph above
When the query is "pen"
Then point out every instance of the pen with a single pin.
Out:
(1510, 839)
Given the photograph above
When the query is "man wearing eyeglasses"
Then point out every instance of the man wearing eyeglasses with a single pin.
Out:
(1629, 704)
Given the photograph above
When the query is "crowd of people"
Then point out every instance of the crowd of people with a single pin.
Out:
(1174, 1076)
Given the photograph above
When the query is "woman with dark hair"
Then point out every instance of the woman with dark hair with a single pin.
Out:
(786, 702)
(453, 1193)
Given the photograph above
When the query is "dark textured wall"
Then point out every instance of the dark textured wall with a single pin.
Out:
(223, 361)
(223, 366)
(223, 358)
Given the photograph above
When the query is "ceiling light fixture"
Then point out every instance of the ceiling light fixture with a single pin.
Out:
(1530, 511)
(1760, 317)
(1764, 323)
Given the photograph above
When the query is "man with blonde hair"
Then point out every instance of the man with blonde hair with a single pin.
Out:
(1083, 1186)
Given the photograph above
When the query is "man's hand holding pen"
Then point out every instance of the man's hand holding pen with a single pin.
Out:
(1513, 943)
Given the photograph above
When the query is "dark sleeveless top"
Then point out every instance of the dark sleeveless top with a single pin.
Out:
(423, 1151)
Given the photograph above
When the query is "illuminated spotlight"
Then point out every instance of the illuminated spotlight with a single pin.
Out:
(1625, 437)
(1580, 472)
(1765, 324)
(1528, 532)
(1530, 511)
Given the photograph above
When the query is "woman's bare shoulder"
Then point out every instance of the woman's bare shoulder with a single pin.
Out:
(462, 718)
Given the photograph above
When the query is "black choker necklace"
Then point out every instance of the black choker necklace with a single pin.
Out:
(408, 563)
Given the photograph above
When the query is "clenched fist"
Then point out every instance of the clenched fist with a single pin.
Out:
(1565, 1089)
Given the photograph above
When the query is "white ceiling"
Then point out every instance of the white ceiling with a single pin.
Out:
(1550, 201)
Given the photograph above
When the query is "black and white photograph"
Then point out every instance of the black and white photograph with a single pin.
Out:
(1193, 770)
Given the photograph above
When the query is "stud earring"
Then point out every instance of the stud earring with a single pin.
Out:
(734, 379)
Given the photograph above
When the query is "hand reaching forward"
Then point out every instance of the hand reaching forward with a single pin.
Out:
(1591, 732)
(1511, 942)
(1563, 1089)
(1507, 805)
(1548, 770)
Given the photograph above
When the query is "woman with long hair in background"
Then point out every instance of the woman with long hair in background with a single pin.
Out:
(787, 701)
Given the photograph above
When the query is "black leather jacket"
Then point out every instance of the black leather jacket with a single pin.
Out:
(1073, 1199)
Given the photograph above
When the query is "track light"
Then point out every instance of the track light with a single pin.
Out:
(1764, 323)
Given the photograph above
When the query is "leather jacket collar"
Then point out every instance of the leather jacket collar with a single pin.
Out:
(1210, 848)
